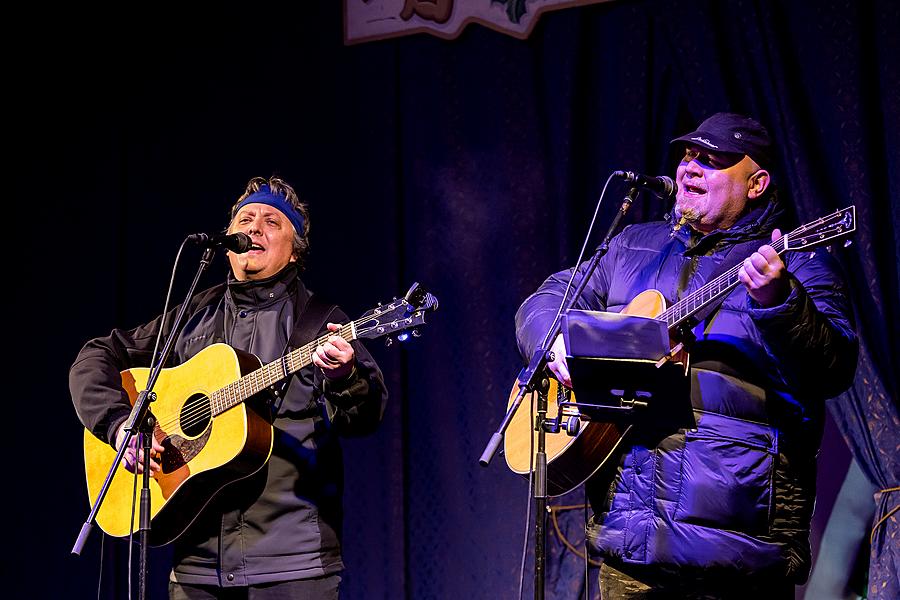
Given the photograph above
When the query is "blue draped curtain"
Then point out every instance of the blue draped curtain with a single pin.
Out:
(471, 165)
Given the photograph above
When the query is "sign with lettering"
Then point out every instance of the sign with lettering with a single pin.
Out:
(367, 20)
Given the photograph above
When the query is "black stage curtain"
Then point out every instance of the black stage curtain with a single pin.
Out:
(470, 165)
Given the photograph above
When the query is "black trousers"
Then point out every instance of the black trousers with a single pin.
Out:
(323, 588)
(639, 582)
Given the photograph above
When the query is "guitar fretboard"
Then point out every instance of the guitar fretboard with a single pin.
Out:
(709, 292)
(269, 374)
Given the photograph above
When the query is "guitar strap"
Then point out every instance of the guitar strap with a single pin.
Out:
(312, 317)
(736, 255)
(309, 320)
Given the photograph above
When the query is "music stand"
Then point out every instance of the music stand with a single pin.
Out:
(618, 373)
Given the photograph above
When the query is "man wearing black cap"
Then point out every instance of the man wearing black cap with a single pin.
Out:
(276, 533)
(720, 509)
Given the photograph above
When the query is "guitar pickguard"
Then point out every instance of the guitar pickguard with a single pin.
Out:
(179, 451)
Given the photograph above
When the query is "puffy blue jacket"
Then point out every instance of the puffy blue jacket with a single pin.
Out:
(736, 491)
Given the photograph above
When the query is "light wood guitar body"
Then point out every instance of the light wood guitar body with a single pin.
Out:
(203, 452)
(209, 420)
(571, 460)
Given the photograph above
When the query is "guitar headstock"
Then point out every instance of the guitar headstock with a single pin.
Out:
(398, 319)
(823, 230)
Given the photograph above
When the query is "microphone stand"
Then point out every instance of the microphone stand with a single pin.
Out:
(530, 380)
(141, 421)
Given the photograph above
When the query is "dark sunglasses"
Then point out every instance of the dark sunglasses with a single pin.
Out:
(711, 160)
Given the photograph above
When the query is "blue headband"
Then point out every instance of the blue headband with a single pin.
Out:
(265, 195)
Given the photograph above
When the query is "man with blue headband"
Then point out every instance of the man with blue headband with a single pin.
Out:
(277, 226)
(276, 533)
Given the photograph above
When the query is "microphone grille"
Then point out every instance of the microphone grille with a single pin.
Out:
(669, 185)
(243, 242)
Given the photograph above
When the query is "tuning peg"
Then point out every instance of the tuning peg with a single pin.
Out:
(431, 300)
(388, 341)
(848, 243)
(413, 291)
(416, 333)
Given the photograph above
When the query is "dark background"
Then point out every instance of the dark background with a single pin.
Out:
(471, 165)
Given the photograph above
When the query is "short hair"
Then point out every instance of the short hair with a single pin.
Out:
(282, 188)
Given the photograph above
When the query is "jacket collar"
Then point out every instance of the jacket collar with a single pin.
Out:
(757, 223)
(263, 292)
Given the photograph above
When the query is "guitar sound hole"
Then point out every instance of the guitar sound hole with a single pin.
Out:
(195, 415)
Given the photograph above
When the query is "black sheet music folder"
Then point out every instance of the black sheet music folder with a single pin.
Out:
(612, 360)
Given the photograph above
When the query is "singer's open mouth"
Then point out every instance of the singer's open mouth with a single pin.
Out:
(693, 189)
(256, 247)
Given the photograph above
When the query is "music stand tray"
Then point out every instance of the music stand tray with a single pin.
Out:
(613, 362)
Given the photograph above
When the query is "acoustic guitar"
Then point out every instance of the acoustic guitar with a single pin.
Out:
(573, 458)
(209, 420)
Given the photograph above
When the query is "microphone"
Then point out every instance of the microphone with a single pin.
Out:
(662, 186)
(236, 242)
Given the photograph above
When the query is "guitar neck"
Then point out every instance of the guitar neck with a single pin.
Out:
(394, 319)
(816, 233)
(719, 287)
(269, 374)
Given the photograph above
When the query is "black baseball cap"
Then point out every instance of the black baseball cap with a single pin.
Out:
(732, 133)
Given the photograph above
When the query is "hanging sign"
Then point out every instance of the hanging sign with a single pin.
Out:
(367, 20)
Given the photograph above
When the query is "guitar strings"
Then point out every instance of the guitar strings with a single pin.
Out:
(198, 412)
(698, 294)
(778, 245)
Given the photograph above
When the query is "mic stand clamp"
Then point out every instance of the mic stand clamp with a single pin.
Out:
(528, 382)
(140, 420)
(626, 412)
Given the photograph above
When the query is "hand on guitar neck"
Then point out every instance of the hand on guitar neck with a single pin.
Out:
(572, 459)
(335, 357)
(764, 275)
